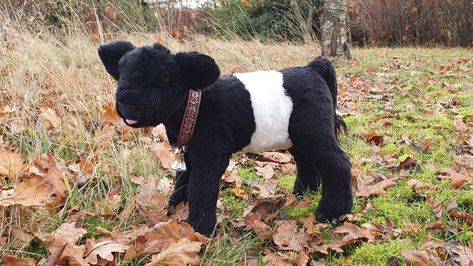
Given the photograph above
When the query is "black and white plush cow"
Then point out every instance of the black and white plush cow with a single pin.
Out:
(290, 109)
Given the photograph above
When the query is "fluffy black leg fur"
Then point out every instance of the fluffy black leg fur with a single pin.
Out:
(307, 177)
(180, 187)
(209, 159)
(316, 140)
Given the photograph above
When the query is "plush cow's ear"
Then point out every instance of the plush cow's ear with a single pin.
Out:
(110, 55)
(198, 70)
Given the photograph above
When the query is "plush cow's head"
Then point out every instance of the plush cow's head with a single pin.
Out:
(152, 82)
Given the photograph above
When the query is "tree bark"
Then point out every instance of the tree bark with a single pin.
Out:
(334, 27)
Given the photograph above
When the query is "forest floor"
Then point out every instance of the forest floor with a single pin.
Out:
(77, 186)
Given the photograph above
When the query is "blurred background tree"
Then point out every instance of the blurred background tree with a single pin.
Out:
(370, 22)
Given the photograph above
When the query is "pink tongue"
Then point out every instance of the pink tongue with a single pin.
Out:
(131, 122)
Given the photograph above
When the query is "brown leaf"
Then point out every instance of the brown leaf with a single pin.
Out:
(277, 259)
(288, 237)
(466, 216)
(20, 238)
(184, 252)
(162, 236)
(32, 192)
(53, 120)
(232, 178)
(276, 157)
(355, 233)
(267, 208)
(418, 185)
(436, 206)
(408, 226)
(165, 154)
(266, 172)
(253, 221)
(179, 212)
(10, 260)
(465, 160)
(463, 255)
(407, 164)
(378, 188)
(459, 125)
(457, 179)
(267, 187)
(66, 234)
(105, 249)
(128, 210)
(109, 114)
(313, 228)
(421, 258)
(375, 139)
(152, 205)
(288, 168)
(11, 164)
(54, 257)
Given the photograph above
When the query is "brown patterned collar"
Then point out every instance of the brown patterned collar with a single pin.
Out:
(190, 117)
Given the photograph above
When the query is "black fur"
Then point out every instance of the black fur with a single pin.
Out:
(152, 86)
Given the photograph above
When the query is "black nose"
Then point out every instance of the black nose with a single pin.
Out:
(129, 111)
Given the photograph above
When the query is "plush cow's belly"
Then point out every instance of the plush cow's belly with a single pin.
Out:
(271, 108)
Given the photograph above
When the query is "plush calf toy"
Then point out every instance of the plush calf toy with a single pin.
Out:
(289, 109)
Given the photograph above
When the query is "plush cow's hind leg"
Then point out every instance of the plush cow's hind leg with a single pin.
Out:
(307, 177)
(311, 130)
(335, 172)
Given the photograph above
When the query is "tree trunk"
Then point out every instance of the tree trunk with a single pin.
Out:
(334, 27)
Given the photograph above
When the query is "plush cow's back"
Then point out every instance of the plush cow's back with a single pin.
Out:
(272, 109)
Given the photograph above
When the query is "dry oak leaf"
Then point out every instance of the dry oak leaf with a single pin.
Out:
(46, 187)
(276, 259)
(421, 258)
(289, 258)
(184, 252)
(459, 125)
(32, 192)
(11, 164)
(109, 114)
(165, 154)
(66, 234)
(49, 115)
(10, 260)
(463, 255)
(54, 172)
(276, 157)
(289, 237)
(457, 179)
(262, 230)
(355, 233)
(267, 187)
(436, 206)
(232, 178)
(54, 257)
(162, 236)
(180, 212)
(407, 163)
(418, 185)
(104, 249)
(311, 226)
(266, 171)
(465, 160)
(378, 188)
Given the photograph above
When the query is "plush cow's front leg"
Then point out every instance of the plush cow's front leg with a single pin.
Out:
(180, 187)
(209, 159)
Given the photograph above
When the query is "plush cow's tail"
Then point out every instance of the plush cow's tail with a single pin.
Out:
(327, 71)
